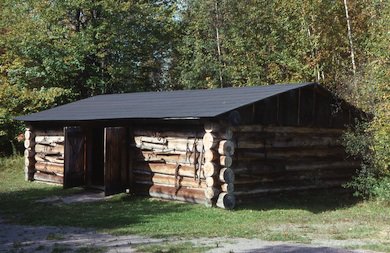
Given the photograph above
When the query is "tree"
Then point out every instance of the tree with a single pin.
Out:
(89, 47)
(371, 140)
(53, 52)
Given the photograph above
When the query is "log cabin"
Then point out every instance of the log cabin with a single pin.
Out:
(218, 147)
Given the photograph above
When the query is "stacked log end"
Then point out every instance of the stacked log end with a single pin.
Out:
(48, 156)
(219, 177)
(29, 153)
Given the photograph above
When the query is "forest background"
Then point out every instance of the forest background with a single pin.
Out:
(57, 51)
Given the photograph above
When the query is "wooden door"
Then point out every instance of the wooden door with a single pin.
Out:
(74, 157)
(115, 160)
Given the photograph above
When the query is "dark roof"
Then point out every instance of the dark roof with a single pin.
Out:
(181, 104)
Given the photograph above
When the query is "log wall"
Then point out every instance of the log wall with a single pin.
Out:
(214, 164)
(191, 165)
(167, 163)
(44, 155)
(276, 159)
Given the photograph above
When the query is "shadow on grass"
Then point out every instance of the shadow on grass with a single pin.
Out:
(314, 201)
(120, 211)
(123, 210)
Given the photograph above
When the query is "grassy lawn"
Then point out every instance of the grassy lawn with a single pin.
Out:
(306, 218)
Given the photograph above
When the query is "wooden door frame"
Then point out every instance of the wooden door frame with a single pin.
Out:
(70, 163)
(116, 149)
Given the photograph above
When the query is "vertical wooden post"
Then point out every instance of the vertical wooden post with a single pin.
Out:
(299, 108)
(115, 160)
(131, 158)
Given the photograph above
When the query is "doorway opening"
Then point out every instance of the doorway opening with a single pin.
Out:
(95, 159)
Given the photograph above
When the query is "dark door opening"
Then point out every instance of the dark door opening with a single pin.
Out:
(95, 158)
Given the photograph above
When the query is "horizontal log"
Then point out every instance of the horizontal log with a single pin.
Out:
(211, 181)
(226, 201)
(258, 167)
(51, 132)
(58, 149)
(213, 156)
(287, 142)
(323, 165)
(279, 129)
(50, 167)
(171, 193)
(28, 152)
(267, 190)
(50, 178)
(29, 161)
(49, 140)
(210, 169)
(58, 159)
(28, 135)
(228, 188)
(226, 147)
(162, 179)
(164, 134)
(226, 175)
(211, 192)
(165, 168)
(291, 153)
(189, 158)
(210, 141)
(167, 144)
(29, 172)
(29, 143)
(250, 181)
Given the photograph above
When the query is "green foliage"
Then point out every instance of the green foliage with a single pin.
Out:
(89, 47)
(53, 52)
(16, 100)
(264, 42)
(371, 139)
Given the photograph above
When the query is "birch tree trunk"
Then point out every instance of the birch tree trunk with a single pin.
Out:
(217, 24)
(350, 37)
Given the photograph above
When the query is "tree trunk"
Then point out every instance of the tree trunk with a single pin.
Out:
(349, 29)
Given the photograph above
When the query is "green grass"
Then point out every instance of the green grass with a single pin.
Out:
(303, 218)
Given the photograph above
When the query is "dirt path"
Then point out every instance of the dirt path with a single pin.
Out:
(46, 239)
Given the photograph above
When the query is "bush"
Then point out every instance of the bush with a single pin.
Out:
(381, 190)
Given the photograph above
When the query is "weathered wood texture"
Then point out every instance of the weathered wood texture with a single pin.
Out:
(172, 193)
(168, 163)
(115, 160)
(74, 158)
(44, 155)
(219, 149)
(29, 153)
(274, 159)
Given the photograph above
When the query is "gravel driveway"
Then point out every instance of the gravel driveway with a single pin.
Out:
(18, 238)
